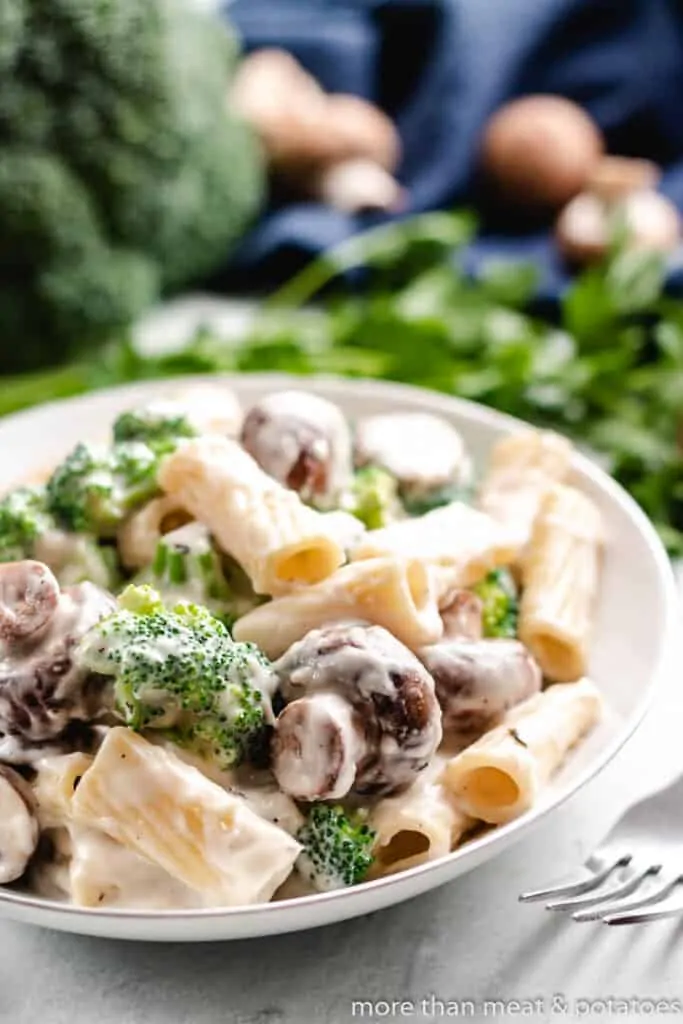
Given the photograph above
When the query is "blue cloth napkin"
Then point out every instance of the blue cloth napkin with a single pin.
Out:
(441, 67)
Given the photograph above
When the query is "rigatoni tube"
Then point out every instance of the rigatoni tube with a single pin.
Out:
(560, 576)
(458, 543)
(277, 540)
(500, 776)
(390, 592)
(522, 469)
(161, 808)
(419, 825)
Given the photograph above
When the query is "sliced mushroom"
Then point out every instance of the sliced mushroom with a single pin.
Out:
(478, 680)
(29, 595)
(44, 693)
(18, 825)
(424, 452)
(361, 717)
(301, 440)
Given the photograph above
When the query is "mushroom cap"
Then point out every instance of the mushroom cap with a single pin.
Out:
(539, 151)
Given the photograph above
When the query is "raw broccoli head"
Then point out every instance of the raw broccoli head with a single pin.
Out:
(93, 489)
(160, 425)
(500, 600)
(373, 497)
(122, 171)
(23, 518)
(336, 849)
(178, 669)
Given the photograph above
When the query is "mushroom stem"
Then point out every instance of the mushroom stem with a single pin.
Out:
(356, 185)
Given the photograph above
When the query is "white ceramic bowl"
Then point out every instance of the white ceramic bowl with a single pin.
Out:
(637, 601)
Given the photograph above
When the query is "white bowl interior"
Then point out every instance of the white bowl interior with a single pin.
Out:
(637, 598)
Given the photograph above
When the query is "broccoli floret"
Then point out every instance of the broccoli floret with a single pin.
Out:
(177, 669)
(336, 848)
(160, 425)
(94, 489)
(500, 599)
(123, 172)
(373, 497)
(23, 519)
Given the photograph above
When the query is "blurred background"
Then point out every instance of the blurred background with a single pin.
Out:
(478, 197)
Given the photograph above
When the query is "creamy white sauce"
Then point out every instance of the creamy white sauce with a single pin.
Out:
(18, 832)
(423, 452)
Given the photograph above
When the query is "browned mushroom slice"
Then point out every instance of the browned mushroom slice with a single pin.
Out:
(364, 717)
(477, 681)
(18, 825)
(424, 452)
(29, 595)
(301, 440)
(317, 745)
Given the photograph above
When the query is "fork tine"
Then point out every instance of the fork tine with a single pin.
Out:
(635, 911)
(607, 897)
(578, 887)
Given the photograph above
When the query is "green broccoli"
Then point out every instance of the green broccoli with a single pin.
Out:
(23, 519)
(94, 489)
(500, 599)
(28, 530)
(159, 425)
(373, 497)
(123, 173)
(177, 669)
(337, 849)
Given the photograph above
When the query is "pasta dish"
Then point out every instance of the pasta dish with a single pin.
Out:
(253, 654)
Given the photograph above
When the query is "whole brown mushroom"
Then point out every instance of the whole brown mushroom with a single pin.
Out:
(619, 196)
(538, 152)
(342, 150)
(362, 716)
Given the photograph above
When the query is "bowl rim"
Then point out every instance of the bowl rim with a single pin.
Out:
(448, 405)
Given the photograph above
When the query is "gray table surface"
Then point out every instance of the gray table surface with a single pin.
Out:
(469, 941)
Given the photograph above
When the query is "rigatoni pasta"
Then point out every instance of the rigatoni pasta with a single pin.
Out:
(521, 470)
(500, 776)
(458, 543)
(278, 540)
(168, 812)
(422, 824)
(391, 592)
(560, 575)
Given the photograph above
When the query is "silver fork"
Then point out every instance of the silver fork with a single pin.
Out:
(638, 866)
